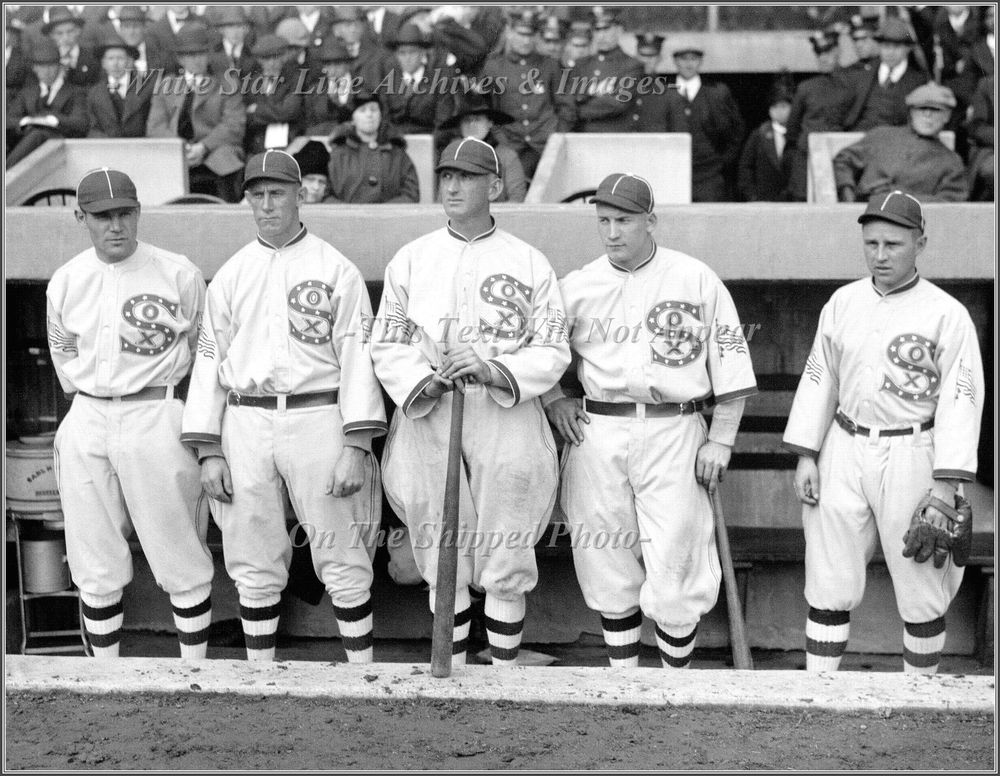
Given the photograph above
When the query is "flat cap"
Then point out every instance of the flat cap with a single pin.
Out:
(931, 95)
(894, 31)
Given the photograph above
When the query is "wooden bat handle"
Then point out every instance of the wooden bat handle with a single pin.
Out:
(447, 569)
(737, 628)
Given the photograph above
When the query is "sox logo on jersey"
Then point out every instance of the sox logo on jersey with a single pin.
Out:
(141, 312)
(670, 322)
(513, 298)
(913, 354)
(317, 323)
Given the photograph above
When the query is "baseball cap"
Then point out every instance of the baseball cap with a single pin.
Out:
(470, 155)
(625, 191)
(897, 207)
(931, 95)
(105, 189)
(272, 165)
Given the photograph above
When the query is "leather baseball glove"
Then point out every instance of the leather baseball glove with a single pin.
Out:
(941, 531)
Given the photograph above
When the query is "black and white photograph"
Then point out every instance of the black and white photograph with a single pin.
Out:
(495, 387)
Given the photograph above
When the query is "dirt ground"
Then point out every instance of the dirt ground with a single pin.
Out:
(68, 731)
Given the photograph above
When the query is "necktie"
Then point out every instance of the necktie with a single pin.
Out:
(185, 129)
(779, 144)
(43, 99)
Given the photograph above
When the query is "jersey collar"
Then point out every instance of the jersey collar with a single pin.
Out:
(642, 264)
(904, 287)
(488, 233)
(298, 236)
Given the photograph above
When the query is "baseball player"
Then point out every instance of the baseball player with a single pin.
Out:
(283, 399)
(890, 403)
(122, 324)
(471, 304)
(658, 340)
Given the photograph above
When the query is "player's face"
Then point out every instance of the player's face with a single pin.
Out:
(467, 196)
(275, 206)
(891, 252)
(314, 187)
(113, 232)
(928, 120)
(627, 237)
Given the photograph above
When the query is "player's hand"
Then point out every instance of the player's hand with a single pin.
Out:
(216, 479)
(807, 481)
(437, 387)
(195, 154)
(711, 463)
(462, 361)
(349, 473)
(568, 416)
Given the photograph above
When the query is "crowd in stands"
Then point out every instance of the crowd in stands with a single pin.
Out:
(235, 80)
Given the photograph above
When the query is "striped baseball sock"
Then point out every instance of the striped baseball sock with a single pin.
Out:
(355, 624)
(193, 620)
(260, 625)
(463, 619)
(621, 635)
(102, 620)
(504, 623)
(676, 643)
(922, 645)
(826, 638)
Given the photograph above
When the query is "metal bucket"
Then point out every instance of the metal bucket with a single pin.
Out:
(43, 552)
(31, 476)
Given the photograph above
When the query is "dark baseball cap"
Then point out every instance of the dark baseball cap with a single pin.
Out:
(625, 191)
(897, 207)
(470, 155)
(105, 189)
(272, 165)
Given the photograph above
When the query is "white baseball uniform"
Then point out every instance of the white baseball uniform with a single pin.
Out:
(500, 294)
(280, 323)
(895, 361)
(116, 330)
(666, 332)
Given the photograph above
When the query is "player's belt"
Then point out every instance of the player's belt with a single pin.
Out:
(630, 410)
(291, 401)
(853, 428)
(149, 393)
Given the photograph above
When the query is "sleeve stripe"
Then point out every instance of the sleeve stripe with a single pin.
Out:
(193, 438)
(365, 425)
(416, 392)
(732, 395)
(799, 450)
(954, 474)
(514, 389)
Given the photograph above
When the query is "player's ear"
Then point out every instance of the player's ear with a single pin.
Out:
(300, 196)
(81, 217)
(921, 243)
(496, 187)
(650, 223)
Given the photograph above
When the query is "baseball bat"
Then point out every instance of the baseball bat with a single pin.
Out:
(447, 569)
(737, 628)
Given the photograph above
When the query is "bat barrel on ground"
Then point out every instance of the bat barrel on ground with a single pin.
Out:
(737, 627)
(447, 569)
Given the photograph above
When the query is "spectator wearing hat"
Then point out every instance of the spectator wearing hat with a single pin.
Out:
(79, 62)
(206, 110)
(956, 29)
(475, 118)
(179, 17)
(371, 62)
(473, 277)
(981, 131)
(314, 163)
(763, 174)
(154, 56)
(820, 104)
(531, 95)
(579, 45)
(275, 106)
(910, 158)
(880, 97)
(603, 83)
(47, 108)
(709, 113)
(866, 49)
(233, 26)
(119, 106)
(552, 37)
(330, 102)
(368, 159)
(413, 104)
(467, 34)
(17, 65)
(301, 54)
(649, 104)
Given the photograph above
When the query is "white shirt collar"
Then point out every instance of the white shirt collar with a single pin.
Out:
(958, 22)
(894, 75)
(233, 52)
(176, 23)
(377, 17)
(779, 129)
(310, 20)
(415, 76)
